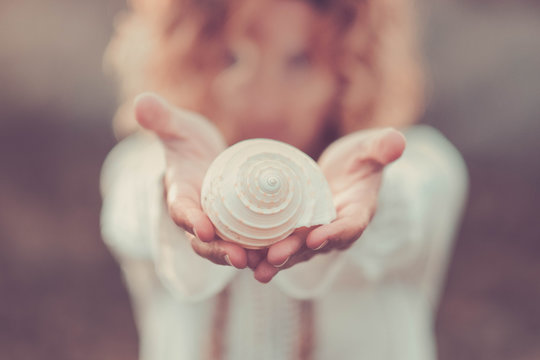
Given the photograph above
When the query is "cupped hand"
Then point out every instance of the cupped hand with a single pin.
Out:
(191, 143)
(353, 167)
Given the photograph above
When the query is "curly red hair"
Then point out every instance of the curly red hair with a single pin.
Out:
(170, 46)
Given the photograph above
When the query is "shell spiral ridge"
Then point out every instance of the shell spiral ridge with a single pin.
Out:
(259, 191)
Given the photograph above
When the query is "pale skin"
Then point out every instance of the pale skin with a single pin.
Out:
(274, 86)
(352, 165)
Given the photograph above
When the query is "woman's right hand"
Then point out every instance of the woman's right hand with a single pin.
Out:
(191, 143)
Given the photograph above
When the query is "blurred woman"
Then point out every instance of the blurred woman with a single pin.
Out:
(328, 77)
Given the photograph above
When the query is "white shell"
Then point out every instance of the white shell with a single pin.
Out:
(257, 192)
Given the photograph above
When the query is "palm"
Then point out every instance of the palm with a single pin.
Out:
(353, 167)
(191, 143)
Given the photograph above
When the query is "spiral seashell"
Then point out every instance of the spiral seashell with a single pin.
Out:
(258, 191)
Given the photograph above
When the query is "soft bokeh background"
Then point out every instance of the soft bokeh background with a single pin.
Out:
(61, 295)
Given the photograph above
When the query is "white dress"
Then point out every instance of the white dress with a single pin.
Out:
(376, 300)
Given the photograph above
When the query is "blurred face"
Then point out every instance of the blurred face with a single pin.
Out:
(273, 83)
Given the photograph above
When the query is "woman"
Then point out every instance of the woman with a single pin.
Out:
(323, 76)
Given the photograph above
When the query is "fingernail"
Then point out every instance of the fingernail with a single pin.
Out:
(321, 246)
(228, 260)
(283, 263)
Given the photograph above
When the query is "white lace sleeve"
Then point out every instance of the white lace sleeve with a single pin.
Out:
(420, 203)
(135, 222)
(132, 193)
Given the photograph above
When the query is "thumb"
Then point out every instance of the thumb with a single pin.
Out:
(379, 148)
(386, 145)
(365, 150)
(171, 123)
(155, 114)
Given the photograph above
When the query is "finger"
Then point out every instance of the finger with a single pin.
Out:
(185, 210)
(362, 153)
(338, 234)
(265, 272)
(236, 254)
(220, 252)
(378, 149)
(202, 226)
(386, 146)
(304, 255)
(171, 123)
(154, 113)
(280, 252)
(254, 258)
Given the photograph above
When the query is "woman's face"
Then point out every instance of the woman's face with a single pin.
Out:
(273, 83)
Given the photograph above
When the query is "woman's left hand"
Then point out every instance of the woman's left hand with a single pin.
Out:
(353, 166)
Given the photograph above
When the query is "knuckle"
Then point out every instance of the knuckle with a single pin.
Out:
(208, 251)
(215, 254)
(197, 248)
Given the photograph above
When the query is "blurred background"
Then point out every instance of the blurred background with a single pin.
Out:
(61, 295)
